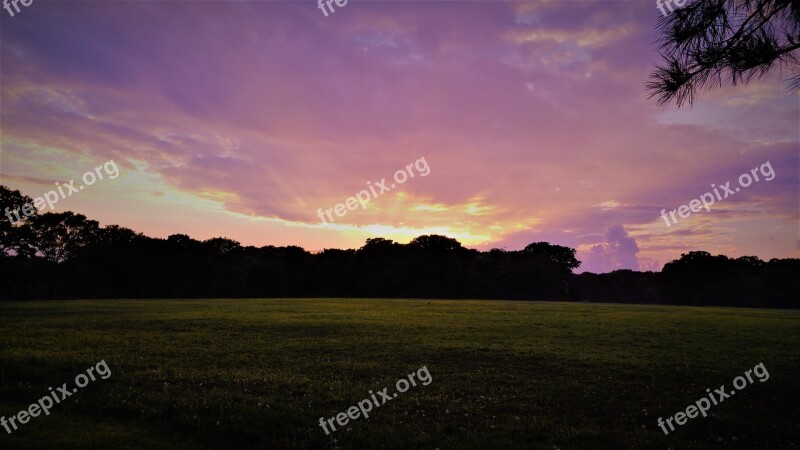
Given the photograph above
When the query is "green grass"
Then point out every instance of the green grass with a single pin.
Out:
(259, 373)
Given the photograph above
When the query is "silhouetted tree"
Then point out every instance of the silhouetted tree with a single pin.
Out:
(563, 256)
(222, 246)
(750, 261)
(379, 246)
(434, 243)
(59, 236)
(738, 39)
(117, 235)
(16, 237)
(70, 256)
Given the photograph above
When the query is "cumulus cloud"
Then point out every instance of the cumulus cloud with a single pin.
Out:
(618, 252)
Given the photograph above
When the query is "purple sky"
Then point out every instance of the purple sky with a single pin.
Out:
(242, 119)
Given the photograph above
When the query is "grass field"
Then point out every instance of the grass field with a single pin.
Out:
(260, 373)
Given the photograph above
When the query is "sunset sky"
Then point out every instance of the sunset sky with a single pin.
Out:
(242, 119)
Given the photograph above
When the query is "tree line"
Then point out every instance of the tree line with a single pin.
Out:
(68, 256)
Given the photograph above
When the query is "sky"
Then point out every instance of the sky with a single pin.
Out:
(250, 119)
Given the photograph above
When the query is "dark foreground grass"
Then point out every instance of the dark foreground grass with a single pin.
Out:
(259, 374)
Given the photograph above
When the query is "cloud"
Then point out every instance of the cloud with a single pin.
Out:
(580, 38)
(532, 115)
(618, 252)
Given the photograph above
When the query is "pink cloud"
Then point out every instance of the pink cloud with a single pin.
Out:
(533, 112)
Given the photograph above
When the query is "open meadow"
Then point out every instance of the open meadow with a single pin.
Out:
(259, 373)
